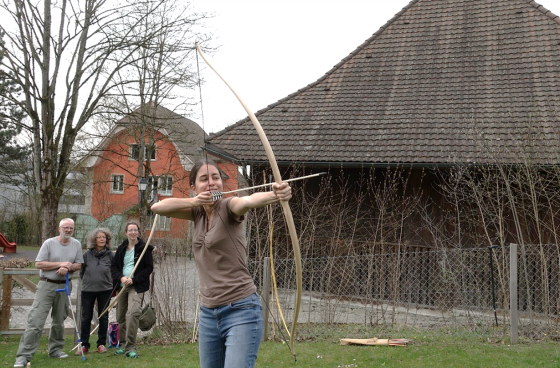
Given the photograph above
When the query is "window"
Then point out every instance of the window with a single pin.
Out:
(163, 224)
(165, 185)
(117, 183)
(134, 152)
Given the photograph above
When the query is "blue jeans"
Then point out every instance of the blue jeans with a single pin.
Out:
(88, 302)
(229, 336)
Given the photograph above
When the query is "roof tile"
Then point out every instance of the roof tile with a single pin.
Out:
(441, 82)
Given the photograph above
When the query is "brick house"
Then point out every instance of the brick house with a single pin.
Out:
(171, 144)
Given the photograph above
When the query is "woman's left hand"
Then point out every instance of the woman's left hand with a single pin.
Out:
(282, 191)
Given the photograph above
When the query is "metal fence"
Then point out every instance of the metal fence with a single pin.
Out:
(436, 288)
(424, 289)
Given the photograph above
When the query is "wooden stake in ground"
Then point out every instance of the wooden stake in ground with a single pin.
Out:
(375, 341)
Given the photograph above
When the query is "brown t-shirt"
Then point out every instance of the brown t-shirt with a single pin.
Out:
(220, 254)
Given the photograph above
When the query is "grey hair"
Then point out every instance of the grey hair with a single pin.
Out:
(64, 220)
(91, 239)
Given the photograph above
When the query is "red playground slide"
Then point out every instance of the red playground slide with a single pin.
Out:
(8, 247)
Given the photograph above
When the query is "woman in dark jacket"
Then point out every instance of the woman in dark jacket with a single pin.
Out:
(129, 307)
(96, 285)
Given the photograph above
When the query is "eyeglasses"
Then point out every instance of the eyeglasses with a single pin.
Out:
(101, 237)
(66, 228)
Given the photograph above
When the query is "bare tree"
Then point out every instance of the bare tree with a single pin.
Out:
(67, 57)
(162, 73)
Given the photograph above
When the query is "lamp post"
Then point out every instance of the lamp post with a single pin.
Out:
(142, 185)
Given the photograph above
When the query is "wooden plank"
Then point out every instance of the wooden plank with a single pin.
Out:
(22, 302)
(21, 271)
(27, 302)
(375, 341)
(7, 276)
(29, 285)
(6, 302)
(20, 331)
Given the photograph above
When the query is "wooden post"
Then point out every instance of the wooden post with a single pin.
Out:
(266, 295)
(6, 301)
(513, 293)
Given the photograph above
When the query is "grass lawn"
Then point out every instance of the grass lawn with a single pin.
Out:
(430, 350)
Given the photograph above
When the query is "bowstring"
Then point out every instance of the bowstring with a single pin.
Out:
(272, 272)
(206, 151)
(217, 212)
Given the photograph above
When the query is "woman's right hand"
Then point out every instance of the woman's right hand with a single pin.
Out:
(204, 199)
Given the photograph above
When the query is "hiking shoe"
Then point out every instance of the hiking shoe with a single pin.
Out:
(79, 351)
(132, 354)
(101, 349)
(60, 355)
(20, 362)
(119, 352)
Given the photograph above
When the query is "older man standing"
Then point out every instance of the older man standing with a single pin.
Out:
(57, 257)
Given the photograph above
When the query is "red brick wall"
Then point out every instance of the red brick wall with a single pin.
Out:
(116, 161)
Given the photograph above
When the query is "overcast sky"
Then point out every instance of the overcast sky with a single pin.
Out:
(270, 49)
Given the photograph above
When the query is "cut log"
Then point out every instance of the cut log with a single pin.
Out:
(375, 341)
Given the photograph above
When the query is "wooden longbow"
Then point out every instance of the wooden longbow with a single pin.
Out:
(285, 206)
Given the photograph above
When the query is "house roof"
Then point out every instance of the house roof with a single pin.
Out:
(443, 81)
(186, 135)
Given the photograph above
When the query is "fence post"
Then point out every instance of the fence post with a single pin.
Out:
(492, 281)
(513, 293)
(78, 320)
(6, 301)
(266, 295)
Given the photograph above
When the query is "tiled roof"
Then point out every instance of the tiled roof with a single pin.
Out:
(187, 135)
(443, 81)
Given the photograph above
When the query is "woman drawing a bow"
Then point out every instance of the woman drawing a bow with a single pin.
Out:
(230, 314)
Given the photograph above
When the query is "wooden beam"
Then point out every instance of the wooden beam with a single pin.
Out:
(21, 271)
(20, 331)
(6, 301)
(27, 302)
(30, 285)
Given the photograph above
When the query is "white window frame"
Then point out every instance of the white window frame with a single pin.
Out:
(120, 183)
(131, 152)
(163, 224)
(163, 186)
